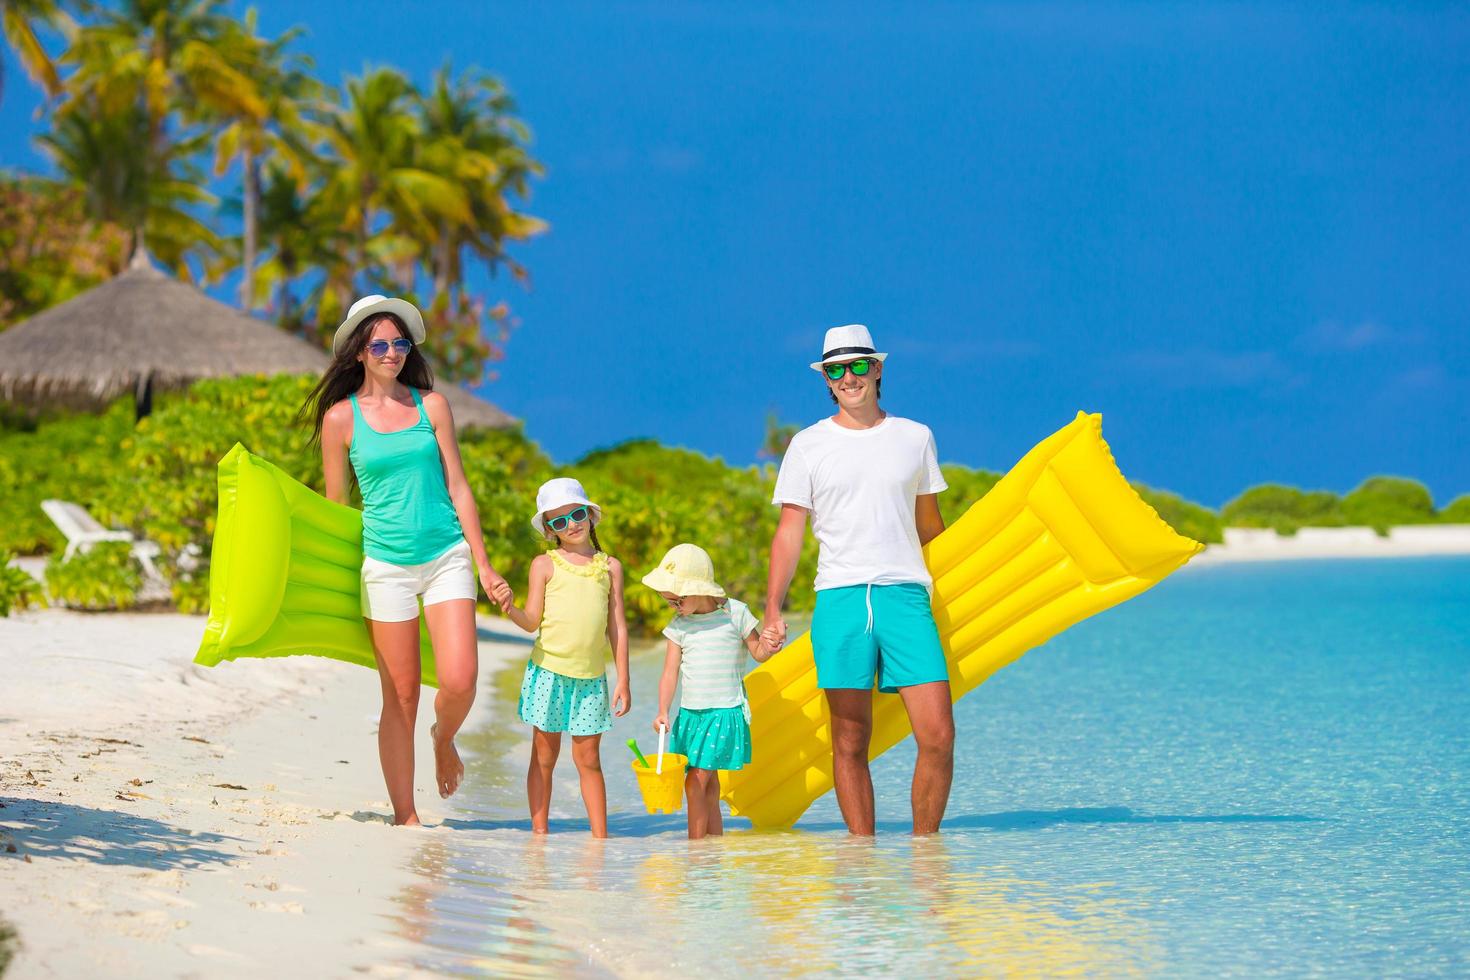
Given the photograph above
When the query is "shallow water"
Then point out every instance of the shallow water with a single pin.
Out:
(1251, 770)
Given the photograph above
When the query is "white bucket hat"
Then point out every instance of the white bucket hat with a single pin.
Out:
(558, 493)
(375, 303)
(847, 344)
(685, 570)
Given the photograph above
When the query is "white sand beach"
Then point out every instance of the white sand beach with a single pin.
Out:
(1411, 541)
(166, 819)
(163, 819)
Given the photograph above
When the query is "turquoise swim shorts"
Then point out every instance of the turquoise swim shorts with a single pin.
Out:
(887, 632)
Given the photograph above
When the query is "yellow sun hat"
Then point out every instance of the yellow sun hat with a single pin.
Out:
(685, 570)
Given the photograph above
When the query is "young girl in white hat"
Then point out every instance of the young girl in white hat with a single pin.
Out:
(574, 602)
(708, 641)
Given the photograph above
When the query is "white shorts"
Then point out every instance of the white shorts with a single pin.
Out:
(390, 592)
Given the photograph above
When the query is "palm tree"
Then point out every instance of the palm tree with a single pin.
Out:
(374, 182)
(297, 238)
(778, 437)
(151, 63)
(20, 20)
(129, 183)
(471, 139)
(279, 135)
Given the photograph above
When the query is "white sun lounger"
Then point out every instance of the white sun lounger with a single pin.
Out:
(82, 530)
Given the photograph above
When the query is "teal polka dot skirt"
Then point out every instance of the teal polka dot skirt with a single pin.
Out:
(556, 703)
(712, 738)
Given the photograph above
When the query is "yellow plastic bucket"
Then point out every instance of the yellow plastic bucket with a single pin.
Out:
(662, 793)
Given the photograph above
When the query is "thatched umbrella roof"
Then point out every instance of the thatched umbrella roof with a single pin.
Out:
(144, 329)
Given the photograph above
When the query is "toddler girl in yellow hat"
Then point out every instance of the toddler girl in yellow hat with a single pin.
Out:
(708, 641)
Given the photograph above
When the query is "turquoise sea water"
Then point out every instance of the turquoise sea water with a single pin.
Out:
(1251, 770)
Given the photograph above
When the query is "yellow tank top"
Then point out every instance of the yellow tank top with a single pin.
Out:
(573, 637)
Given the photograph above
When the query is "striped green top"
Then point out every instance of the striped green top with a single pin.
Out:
(712, 670)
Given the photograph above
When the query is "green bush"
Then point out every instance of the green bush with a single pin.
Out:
(505, 512)
(1284, 508)
(104, 577)
(657, 496)
(17, 589)
(645, 465)
(172, 456)
(158, 478)
(1381, 502)
(188, 587)
(76, 458)
(1458, 511)
(1186, 517)
(965, 487)
(521, 459)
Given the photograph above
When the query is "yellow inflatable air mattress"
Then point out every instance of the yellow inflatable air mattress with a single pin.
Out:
(1062, 536)
(284, 572)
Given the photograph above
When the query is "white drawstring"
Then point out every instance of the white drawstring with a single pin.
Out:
(870, 607)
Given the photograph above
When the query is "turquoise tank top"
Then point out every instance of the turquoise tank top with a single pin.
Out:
(407, 517)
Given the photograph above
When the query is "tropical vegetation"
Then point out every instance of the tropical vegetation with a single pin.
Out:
(176, 125)
(172, 124)
(157, 478)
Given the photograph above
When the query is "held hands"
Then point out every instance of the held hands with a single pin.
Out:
(773, 633)
(622, 699)
(497, 588)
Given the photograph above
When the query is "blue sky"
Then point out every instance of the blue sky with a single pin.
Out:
(1241, 233)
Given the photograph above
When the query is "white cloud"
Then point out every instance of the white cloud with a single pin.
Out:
(1330, 335)
(675, 159)
(1205, 368)
(1424, 377)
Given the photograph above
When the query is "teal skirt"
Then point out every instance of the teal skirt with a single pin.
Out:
(712, 738)
(556, 703)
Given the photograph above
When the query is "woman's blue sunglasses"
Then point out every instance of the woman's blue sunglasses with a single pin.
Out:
(379, 348)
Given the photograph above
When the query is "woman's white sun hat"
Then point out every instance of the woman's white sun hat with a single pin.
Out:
(558, 493)
(685, 570)
(847, 344)
(375, 303)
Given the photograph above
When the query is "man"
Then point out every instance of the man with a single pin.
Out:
(869, 481)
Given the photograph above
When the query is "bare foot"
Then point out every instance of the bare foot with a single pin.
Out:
(449, 771)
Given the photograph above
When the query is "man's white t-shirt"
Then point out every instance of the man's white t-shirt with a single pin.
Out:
(860, 485)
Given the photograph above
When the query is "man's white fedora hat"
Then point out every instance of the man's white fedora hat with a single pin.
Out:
(847, 344)
(369, 305)
(559, 492)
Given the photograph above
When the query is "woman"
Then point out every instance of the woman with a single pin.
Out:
(375, 412)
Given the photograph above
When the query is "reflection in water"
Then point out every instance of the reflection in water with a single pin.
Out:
(1187, 785)
(788, 903)
(471, 918)
(492, 898)
(807, 904)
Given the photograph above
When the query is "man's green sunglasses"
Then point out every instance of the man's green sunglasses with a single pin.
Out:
(859, 368)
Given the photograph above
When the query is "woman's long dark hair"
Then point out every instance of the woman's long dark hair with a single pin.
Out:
(344, 375)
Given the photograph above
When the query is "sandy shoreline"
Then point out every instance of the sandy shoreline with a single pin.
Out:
(1411, 541)
(175, 820)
